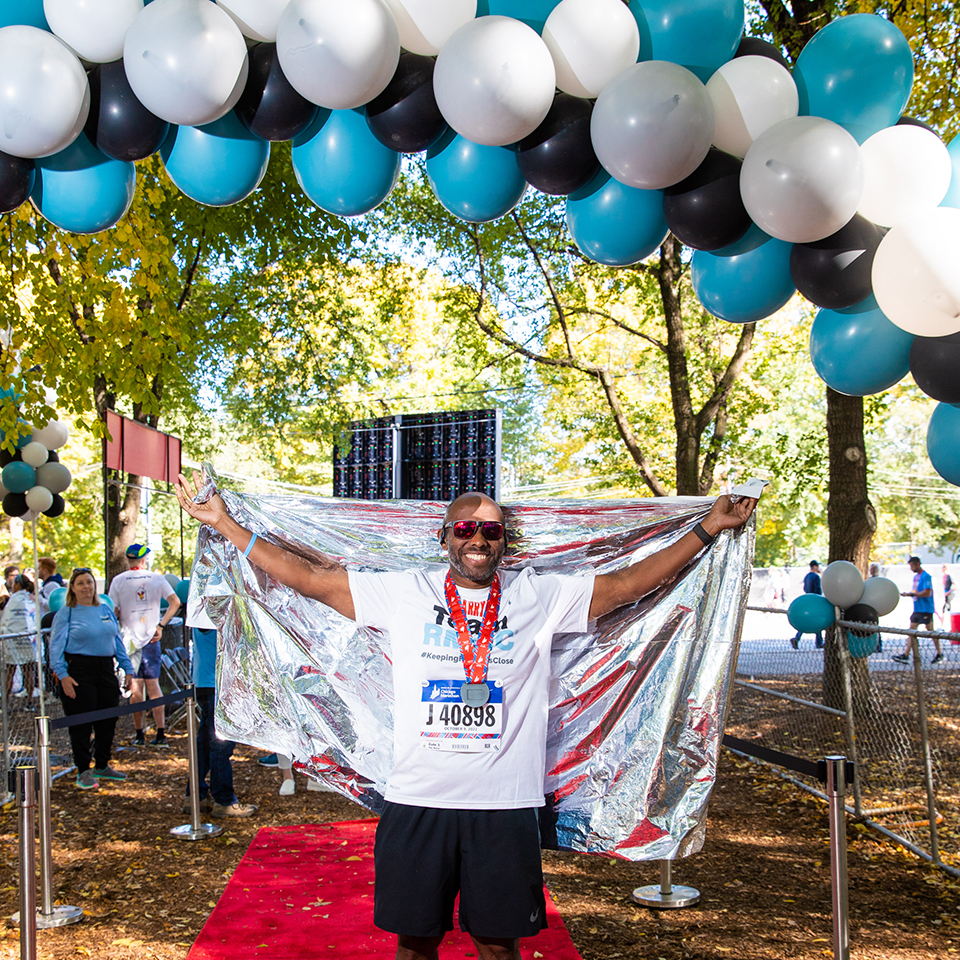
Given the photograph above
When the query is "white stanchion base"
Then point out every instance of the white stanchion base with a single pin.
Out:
(62, 916)
(186, 831)
(653, 896)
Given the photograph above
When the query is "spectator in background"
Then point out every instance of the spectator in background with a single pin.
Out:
(874, 571)
(947, 595)
(213, 754)
(18, 626)
(85, 641)
(10, 573)
(50, 580)
(923, 609)
(136, 597)
(811, 584)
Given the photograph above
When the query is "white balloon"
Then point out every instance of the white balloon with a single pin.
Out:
(426, 25)
(916, 273)
(93, 29)
(881, 594)
(494, 80)
(338, 55)
(750, 95)
(906, 169)
(35, 454)
(53, 435)
(39, 498)
(590, 41)
(257, 19)
(802, 179)
(54, 476)
(186, 61)
(842, 583)
(44, 94)
(652, 125)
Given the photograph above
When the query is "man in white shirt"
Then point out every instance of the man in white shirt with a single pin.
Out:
(136, 596)
(460, 812)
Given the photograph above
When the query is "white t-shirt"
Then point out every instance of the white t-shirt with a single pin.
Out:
(136, 596)
(411, 609)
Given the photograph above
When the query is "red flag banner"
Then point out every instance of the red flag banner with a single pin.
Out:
(138, 449)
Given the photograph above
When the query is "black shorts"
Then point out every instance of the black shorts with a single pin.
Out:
(424, 857)
(926, 618)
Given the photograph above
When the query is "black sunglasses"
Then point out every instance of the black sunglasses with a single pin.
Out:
(78, 570)
(465, 529)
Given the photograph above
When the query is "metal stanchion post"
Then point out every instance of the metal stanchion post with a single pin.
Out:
(836, 788)
(26, 792)
(194, 830)
(666, 896)
(49, 915)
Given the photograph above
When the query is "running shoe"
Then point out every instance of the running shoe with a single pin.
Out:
(108, 773)
(270, 760)
(87, 781)
(160, 740)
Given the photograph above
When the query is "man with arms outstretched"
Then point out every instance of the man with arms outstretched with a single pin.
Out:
(460, 811)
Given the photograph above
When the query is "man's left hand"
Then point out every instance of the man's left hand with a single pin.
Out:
(727, 515)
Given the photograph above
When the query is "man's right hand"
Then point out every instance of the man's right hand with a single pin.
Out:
(69, 687)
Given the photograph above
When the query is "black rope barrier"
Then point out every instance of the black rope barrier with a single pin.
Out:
(807, 768)
(93, 716)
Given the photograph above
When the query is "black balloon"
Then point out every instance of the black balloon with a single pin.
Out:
(15, 504)
(53, 457)
(558, 157)
(705, 210)
(118, 124)
(405, 116)
(57, 507)
(861, 613)
(7, 457)
(269, 106)
(835, 272)
(17, 176)
(935, 365)
(914, 122)
(755, 47)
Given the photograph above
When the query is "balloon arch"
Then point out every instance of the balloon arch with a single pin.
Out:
(647, 117)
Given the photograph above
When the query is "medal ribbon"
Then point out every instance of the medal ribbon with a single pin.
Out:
(475, 660)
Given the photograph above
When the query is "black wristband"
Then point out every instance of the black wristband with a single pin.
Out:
(705, 537)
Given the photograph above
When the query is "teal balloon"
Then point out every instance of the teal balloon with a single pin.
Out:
(614, 224)
(745, 287)
(943, 442)
(858, 351)
(475, 183)
(218, 164)
(18, 477)
(862, 647)
(82, 190)
(57, 599)
(753, 238)
(811, 613)
(163, 603)
(700, 35)
(857, 71)
(952, 199)
(533, 13)
(341, 166)
(182, 590)
(106, 601)
(26, 12)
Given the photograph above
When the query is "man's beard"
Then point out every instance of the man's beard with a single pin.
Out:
(480, 575)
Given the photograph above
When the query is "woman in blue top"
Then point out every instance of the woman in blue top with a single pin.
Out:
(85, 639)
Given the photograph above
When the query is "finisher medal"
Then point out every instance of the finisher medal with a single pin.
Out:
(475, 694)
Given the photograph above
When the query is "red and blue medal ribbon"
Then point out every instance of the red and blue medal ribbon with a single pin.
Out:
(476, 660)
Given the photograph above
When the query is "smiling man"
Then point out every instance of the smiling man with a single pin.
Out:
(470, 647)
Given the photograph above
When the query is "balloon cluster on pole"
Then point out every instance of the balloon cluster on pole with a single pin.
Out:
(807, 179)
(32, 479)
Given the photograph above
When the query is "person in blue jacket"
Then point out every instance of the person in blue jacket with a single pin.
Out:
(85, 641)
(811, 584)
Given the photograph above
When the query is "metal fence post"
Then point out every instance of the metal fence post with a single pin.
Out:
(49, 915)
(836, 787)
(850, 720)
(194, 830)
(925, 749)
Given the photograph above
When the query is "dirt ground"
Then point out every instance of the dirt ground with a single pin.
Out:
(763, 874)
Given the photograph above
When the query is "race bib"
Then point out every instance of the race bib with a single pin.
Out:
(447, 723)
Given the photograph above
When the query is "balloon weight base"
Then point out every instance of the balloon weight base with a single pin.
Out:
(653, 896)
(186, 832)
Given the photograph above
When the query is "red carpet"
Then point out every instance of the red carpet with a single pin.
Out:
(304, 892)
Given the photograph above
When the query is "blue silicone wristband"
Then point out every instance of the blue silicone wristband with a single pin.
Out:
(253, 540)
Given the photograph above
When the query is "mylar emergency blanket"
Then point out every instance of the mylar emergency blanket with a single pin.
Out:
(637, 703)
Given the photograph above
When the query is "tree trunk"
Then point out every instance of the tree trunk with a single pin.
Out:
(852, 522)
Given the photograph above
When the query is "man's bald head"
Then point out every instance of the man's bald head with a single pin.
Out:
(469, 503)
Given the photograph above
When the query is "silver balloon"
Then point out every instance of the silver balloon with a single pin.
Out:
(842, 583)
(881, 594)
(802, 179)
(652, 125)
(44, 94)
(54, 476)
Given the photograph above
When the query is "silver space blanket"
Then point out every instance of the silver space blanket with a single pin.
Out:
(637, 704)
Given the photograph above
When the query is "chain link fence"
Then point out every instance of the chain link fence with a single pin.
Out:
(898, 721)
